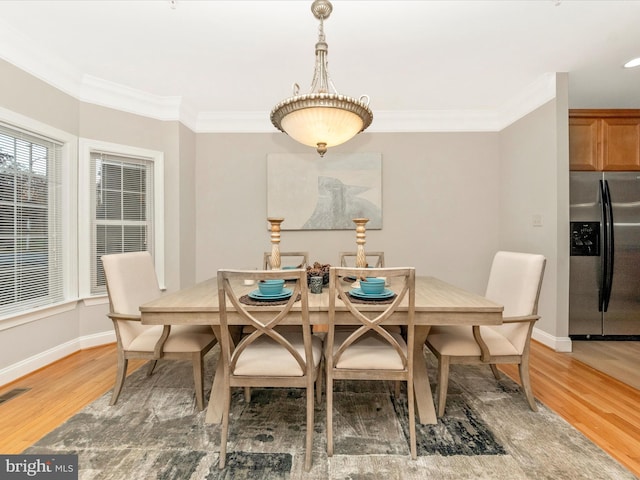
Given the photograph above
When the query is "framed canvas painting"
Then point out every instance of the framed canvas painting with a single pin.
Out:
(314, 193)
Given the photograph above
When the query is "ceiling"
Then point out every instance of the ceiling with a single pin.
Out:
(433, 62)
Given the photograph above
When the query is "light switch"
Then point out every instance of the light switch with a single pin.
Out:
(537, 220)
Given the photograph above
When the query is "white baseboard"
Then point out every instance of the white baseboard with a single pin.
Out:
(97, 339)
(559, 344)
(31, 364)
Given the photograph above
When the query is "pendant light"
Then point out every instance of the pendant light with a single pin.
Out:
(321, 118)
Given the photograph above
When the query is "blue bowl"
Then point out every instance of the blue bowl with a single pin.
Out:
(270, 287)
(372, 286)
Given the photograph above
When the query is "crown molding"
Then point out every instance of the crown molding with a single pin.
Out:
(434, 121)
(120, 97)
(536, 94)
(383, 121)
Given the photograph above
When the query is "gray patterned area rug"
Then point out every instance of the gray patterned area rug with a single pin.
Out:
(488, 432)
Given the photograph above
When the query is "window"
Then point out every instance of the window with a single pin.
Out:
(31, 250)
(123, 213)
(124, 198)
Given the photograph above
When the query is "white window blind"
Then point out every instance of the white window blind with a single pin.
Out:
(122, 209)
(31, 260)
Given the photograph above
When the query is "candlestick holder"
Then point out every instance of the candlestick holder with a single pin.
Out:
(274, 260)
(361, 257)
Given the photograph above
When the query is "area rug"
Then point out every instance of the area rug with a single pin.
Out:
(488, 432)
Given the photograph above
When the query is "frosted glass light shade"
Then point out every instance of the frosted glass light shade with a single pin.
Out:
(330, 126)
(321, 120)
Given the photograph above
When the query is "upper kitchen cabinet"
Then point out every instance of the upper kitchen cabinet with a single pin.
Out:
(604, 140)
(583, 143)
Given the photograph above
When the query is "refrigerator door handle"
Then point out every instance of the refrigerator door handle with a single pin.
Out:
(609, 246)
(604, 258)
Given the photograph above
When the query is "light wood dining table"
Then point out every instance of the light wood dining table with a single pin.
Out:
(437, 303)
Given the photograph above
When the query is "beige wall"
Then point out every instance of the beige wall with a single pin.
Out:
(25, 94)
(535, 172)
(440, 201)
(187, 229)
(530, 190)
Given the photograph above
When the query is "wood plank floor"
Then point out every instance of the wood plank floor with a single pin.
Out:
(618, 359)
(604, 409)
(56, 393)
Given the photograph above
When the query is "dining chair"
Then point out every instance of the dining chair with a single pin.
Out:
(369, 351)
(131, 281)
(515, 280)
(295, 259)
(275, 353)
(375, 259)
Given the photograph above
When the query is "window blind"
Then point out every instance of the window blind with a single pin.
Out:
(31, 263)
(122, 206)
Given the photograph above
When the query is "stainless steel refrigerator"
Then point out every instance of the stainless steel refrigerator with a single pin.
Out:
(604, 285)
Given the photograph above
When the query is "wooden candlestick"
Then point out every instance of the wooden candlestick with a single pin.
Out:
(361, 257)
(274, 260)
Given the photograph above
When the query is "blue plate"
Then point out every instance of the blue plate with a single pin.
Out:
(256, 295)
(358, 293)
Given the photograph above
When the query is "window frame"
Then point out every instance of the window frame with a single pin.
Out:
(69, 204)
(85, 214)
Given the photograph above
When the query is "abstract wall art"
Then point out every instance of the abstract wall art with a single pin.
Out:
(314, 193)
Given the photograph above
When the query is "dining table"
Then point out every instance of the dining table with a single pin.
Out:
(436, 303)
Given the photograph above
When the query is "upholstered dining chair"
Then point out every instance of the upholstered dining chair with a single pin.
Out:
(131, 281)
(515, 280)
(273, 354)
(375, 259)
(293, 259)
(370, 351)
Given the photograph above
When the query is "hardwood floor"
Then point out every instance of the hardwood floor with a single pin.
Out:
(56, 393)
(604, 409)
(618, 359)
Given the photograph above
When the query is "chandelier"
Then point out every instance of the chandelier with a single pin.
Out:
(321, 118)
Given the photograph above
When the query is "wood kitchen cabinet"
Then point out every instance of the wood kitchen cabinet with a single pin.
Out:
(604, 140)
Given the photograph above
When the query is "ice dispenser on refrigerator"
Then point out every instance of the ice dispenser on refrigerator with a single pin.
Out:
(585, 239)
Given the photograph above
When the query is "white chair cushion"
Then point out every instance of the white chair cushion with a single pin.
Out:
(458, 341)
(369, 352)
(183, 338)
(265, 357)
